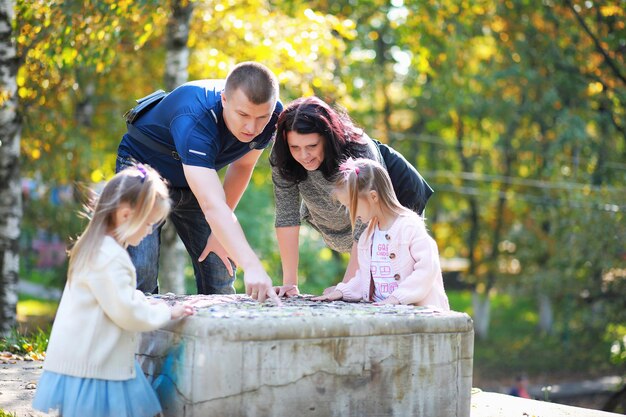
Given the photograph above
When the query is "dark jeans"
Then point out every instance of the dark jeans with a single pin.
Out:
(190, 224)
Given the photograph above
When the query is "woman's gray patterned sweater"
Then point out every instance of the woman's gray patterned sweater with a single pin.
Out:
(311, 200)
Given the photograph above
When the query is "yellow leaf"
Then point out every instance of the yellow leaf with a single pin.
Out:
(594, 88)
(612, 10)
(325, 254)
(22, 92)
(97, 175)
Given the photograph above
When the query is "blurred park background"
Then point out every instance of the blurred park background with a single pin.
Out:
(514, 112)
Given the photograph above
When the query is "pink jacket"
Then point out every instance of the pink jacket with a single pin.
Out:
(414, 262)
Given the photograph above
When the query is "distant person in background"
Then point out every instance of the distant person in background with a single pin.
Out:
(520, 389)
(192, 133)
(398, 261)
(312, 138)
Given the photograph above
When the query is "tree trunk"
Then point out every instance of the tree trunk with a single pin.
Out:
(10, 187)
(177, 58)
(173, 255)
(546, 315)
(85, 109)
(482, 314)
(172, 261)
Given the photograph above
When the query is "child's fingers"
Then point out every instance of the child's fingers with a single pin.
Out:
(334, 295)
(329, 290)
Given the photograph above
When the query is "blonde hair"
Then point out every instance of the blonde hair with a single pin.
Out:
(358, 177)
(139, 186)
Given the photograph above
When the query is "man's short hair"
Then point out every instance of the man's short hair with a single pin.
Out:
(256, 81)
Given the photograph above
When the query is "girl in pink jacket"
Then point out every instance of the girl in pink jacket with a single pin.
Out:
(398, 259)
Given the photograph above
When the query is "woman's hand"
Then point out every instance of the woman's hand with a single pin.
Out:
(331, 296)
(290, 290)
(181, 310)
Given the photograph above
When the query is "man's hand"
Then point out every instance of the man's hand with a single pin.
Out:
(330, 296)
(290, 290)
(259, 285)
(213, 245)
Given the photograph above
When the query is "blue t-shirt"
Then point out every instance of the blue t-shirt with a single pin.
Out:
(190, 118)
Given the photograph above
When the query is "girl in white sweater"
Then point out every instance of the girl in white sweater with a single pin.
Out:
(398, 261)
(90, 367)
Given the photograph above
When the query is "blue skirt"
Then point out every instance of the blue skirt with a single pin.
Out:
(79, 397)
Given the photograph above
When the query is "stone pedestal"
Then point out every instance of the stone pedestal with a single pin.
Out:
(236, 357)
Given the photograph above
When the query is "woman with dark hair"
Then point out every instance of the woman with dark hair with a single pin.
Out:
(312, 139)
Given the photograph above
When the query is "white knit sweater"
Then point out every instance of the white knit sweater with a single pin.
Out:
(94, 332)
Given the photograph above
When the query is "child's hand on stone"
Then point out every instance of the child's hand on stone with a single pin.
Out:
(329, 290)
(331, 296)
(181, 310)
(389, 300)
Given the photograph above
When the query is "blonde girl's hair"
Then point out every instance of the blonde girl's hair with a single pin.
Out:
(357, 177)
(139, 186)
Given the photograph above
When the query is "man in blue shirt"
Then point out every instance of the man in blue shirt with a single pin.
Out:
(194, 131)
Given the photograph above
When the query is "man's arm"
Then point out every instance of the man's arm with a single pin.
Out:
(238, 176)
(206, 186)
(236, 181)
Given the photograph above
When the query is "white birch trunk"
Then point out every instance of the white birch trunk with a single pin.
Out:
(172, 261)
(546, 315)
(10, 188)
(481, 304)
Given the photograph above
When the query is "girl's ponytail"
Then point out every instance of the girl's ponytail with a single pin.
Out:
(360, 176)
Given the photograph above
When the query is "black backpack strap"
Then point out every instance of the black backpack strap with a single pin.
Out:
(410, 187)
(144, 139)
(143, 105)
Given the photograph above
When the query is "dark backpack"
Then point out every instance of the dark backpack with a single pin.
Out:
(410, 187)
(143, 105)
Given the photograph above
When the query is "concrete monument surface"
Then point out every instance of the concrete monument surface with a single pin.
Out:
(236, 357)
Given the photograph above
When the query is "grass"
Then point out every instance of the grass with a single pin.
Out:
(33, 344)
(515, 345)
(32, 306)
(7, 414)
(30, 337)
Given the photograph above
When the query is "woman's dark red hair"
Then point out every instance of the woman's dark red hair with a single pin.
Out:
(342, 139)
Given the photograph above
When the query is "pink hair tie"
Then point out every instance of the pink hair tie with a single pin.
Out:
(349, 165)
(142, 172)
